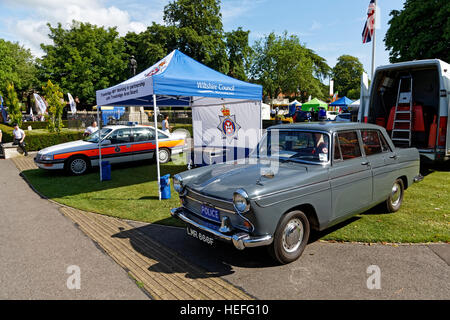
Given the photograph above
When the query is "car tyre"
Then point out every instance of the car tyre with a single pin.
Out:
(395, 199)
(290, 238)
(77, 165)
(164, 155)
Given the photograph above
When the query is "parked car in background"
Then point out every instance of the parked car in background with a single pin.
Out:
(331, 115)
(118, 144)
(301, 176)
(343, 117)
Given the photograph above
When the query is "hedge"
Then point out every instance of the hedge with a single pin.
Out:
(36, 140)
(39, 124)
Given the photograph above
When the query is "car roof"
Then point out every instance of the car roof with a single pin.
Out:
(120, 126)
(329, 126)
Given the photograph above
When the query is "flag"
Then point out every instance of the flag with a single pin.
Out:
(369, 26)
(335, 97)
(73, 105)
(40, 104)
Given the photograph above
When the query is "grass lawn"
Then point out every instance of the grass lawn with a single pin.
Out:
(132, 194)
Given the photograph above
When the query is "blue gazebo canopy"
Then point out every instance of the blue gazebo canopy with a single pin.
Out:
(342, 102)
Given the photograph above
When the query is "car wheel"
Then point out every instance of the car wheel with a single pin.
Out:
(290, 238)
(164, 155)
(77, 165)
(395, 199)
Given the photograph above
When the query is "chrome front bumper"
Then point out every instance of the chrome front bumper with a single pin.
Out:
(240, 240)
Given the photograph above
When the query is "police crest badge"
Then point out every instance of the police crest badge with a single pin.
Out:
(228, 125)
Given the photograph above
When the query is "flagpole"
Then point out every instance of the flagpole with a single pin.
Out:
(374, 39)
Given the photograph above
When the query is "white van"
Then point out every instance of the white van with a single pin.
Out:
(423, 88)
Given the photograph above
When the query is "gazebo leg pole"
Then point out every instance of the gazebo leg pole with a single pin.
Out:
(99, 143)
(157, 145)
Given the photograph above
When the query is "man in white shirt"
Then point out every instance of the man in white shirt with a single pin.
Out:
(91, 129)
(19, 137)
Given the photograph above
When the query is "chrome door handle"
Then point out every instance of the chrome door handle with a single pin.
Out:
(393, 156)
(365, 163)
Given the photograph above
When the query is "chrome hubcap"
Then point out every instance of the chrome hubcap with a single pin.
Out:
(292, 235)
(78, 166)
(163, 155)
(396, 194)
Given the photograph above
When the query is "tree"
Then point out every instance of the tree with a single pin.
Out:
(198, 24)
(17, 66)
(420, 31)
(239, 53)
(13, 104)
(347, 76)
(56, 103)
(83, 59)
(281, 64)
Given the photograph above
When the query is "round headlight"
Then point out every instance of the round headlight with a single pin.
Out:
(240, 200)
(177, 183)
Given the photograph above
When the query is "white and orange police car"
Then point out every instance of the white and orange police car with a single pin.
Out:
(119, 144)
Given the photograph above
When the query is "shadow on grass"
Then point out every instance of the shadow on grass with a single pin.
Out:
(58, 184)
(426, 168)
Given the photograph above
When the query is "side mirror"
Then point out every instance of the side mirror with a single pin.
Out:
(106, 142)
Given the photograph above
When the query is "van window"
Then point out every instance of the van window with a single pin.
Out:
(349, 143)
(371, 142)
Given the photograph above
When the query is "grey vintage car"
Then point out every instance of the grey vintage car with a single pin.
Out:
(300, 177)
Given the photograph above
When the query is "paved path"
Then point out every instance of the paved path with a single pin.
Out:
(161, 272)
(38, 244)
(324, 271)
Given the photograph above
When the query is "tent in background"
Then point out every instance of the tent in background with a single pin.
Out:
(343, 103)
(314, 104)
(265, 111)
(293, 105)
(223, 109)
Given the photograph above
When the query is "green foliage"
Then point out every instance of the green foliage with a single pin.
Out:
(420, 31)
(56, 103)
(281, 64)
(199, 31)
(83, 59)
(239, 53)
(40, 124)
(17, 66)
(13, 104)
(40, 139)
(347, 76)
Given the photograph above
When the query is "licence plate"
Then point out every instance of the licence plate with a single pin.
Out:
(210, 213)
(197, 234)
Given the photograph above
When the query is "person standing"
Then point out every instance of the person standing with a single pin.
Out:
(165, 124)
(91, 129)
(19, 137)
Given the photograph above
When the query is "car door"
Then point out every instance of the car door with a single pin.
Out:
(381, 162)
(143, 143)
(350, 176)
(121, 148)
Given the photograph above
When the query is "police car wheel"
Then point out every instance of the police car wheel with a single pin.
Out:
(77, 165)
(164, 155)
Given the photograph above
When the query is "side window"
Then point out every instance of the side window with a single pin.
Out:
(160, 134)
(348, 141)
(371, 142)
(384, 145)
(120, 136)
(141, 134)
(337, 150)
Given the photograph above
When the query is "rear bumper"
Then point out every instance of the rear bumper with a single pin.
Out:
(418, 178)
(240, 240)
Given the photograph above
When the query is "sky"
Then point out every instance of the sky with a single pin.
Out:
(330, 27)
